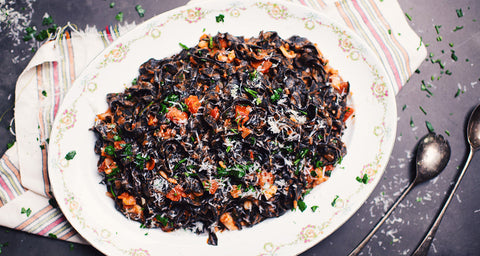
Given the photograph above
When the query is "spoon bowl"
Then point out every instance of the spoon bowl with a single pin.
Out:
(473, 129)
(433, 153)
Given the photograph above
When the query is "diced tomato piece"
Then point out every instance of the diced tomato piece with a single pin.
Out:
(211, 185)
(118, 144)
(241, 113)
(266, 65)
(193, 104)
(176, 193)
(176, 116)
(265, 177)
(227, 220)
(152, 120)
(236, 191)
(107, 166)
(215, 113)
(223, 43)
(150, 164)
(349, 112)
(127, 199)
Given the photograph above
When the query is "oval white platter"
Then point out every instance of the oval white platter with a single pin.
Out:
(369, 137)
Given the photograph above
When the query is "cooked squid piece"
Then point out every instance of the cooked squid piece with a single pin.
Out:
(223, 135)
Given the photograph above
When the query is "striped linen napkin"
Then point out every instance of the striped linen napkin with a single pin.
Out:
(26, 202)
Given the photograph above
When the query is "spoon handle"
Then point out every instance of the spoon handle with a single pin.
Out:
(424, 246)
(365, 240)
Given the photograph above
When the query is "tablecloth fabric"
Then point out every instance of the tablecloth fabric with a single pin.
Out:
(26, 202)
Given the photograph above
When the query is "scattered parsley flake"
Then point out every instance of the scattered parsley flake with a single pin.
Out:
(459, 13)
(10, 144)
(334, 202)
(389, 31)
(364, 179)
(27, 211)
(52, 235)
(70, 155)
(429, 127)
(457, 28)
(44, 93)
(301, 205)
(447, 132)
(314, 208)
(454, 57)
(412, 124)
(423, 110)
(3, 245)
(408, 16)
(458, 92)
(437, 27)
(439, 38)
(448, 72)
(419, 199)
(140, 10)
(417, 71)
(47, 21)
(184, 46)
(72, 246)
(112, 4)
(119, 16)
(404, 107)
(220, 18)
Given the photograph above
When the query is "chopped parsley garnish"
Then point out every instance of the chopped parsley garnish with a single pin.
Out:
(419, 199)
(457, 28)
(447, 132)
(119, 16)
(439, 38)
(459, 13)
(429, 127)
(44, 93)
(140, 10)
(301, 205)
(112, 4)
(117, 138)
(314, 208)
(52, 235)
(10, 144)
(458, 92)
(3, 245)
(27, 211)
(70, 155)
(404, 107)
(412, 124)
(423, 110)
(364, 179)
(277, 94)
(220, 18)
(109, 150)
(162, 220)
(184, 46)
(408, 16)
(334, 202)
(437, 27)
(47, 21)
(454, 57)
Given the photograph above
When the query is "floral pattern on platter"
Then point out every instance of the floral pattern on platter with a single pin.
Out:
(275, 11)
(194, 15)
(115, 55)
(379, 89)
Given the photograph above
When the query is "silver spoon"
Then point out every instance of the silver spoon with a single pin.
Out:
(473, 136)
(433, 153)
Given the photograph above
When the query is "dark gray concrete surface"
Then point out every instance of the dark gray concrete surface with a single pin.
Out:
(459, 233)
